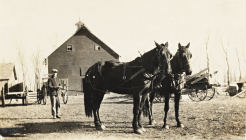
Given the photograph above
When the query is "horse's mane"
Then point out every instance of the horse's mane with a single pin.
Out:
(174, 62)
(137, 61)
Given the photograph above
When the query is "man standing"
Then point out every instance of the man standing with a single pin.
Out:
(54, 85)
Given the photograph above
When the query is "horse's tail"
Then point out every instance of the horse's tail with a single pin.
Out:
(87, 97)
(88, 90)
(91, 75)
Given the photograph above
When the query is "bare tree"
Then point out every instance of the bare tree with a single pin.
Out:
(239, 65)
(37, 63)
(227, 62)
(22, 63)
(207, 54)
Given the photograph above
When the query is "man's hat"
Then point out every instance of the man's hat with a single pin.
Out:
(54, 70)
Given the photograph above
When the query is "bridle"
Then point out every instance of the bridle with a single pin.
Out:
(165, 68)
(180, 66)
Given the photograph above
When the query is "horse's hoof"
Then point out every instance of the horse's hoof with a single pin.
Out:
(165, 126)
(138, 131)
(101, 127)
(180, 125)
(153, 122)
(143, 129)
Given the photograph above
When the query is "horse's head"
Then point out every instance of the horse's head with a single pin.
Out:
(183, 57)
(163, 57)
(157, 60)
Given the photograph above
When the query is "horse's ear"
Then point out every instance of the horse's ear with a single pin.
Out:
(166, 44)
(157, 45)
(180, 47)
(188, 45)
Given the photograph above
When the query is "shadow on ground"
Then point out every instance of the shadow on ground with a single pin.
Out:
(23, 130)
(13, 105)
(117, 102)
(45, 127)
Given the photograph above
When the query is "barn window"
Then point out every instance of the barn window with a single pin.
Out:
(69, 48)
(97, 48)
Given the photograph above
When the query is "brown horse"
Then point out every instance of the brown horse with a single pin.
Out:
(171, 84)
(132, 78)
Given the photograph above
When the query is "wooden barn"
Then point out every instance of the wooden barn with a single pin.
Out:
(77, 54)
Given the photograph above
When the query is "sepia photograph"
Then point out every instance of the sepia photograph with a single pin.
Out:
(123, 69)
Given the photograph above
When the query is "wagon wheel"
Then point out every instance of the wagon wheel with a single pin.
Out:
(25, 96)
(39, 101)
(24, 100)
(64, 96)
(39, 97)
(3, 98)
(210, 93)
(197, 95)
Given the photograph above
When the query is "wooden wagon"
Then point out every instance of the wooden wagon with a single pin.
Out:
(197, 86)
(17, 91)
(10, 88)
(11, 91)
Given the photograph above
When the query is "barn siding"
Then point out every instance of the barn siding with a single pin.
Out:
(83, 55)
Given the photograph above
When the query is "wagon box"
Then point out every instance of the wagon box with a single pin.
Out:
(10, 88)
(13, 92)
(198, 87)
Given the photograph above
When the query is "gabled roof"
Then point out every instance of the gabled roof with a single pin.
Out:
(85, 31)
(6, 71)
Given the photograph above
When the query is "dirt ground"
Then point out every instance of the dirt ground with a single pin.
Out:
(222, 117)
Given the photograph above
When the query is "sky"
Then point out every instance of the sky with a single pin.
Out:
(128, 27)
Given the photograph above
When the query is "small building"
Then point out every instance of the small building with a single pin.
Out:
(8, 75)
(77, 54)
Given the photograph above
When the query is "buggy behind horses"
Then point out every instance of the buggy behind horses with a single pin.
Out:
(134, 78)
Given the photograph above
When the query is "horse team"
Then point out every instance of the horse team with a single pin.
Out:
(154, 71)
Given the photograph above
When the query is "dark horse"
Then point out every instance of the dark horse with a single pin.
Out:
(132, 78)
(171, 84)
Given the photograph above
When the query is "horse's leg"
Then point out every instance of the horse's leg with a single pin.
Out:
(143, 100)
(136, 103)
(166, 108)
(96, 119)
(151, 99)
(100, 126)
(96, 107)
(176, 103)
(100, 101)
